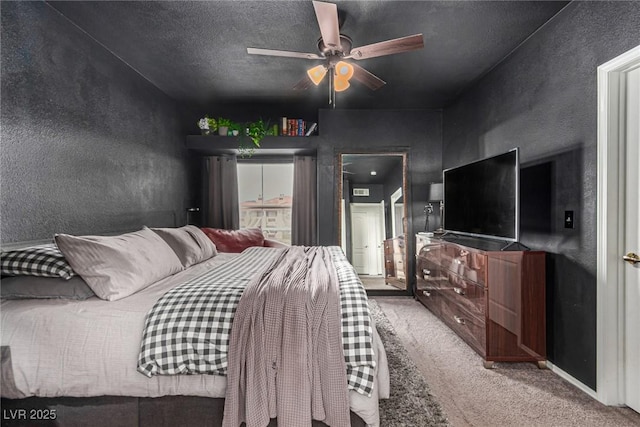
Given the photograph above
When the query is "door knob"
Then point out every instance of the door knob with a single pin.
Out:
(631, 258)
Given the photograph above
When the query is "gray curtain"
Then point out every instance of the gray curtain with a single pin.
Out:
(221, 193)
(304, 209)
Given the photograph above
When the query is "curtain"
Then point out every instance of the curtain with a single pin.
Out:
(304, 209)
(221, 193)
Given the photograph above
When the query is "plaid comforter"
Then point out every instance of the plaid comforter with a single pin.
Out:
(187, 330)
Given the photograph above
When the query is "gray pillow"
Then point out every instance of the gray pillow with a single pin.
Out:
(34, 287)
(117, 266)
(189, 243)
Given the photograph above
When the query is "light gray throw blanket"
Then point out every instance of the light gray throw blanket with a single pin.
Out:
(286, 356)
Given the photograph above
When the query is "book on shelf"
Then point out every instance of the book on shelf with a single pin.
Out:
(295, 127)
(312, 128)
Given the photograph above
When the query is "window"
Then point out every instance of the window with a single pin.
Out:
(265, 194)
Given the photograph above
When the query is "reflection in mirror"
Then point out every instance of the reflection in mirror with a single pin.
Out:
(397, 212)
(372, 218)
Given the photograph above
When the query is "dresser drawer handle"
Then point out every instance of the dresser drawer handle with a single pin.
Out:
(458, 291)
(459, 319)
(426, 293)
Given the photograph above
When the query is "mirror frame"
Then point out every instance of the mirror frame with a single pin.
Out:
(406, 212)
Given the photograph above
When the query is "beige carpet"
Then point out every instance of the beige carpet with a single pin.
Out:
(513, 394)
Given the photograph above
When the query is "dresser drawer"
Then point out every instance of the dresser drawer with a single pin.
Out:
(430, 251)
(464, 293)
(430, 298)
(428, 270)
(467, 263)
(470, 327)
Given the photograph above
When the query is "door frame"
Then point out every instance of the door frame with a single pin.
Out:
(610, 329)
(394, 198)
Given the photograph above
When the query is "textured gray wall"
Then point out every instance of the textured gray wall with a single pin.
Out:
(88, 145)
(418, 132)
(543, 99)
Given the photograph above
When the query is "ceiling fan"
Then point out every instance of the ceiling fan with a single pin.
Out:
(334, 48)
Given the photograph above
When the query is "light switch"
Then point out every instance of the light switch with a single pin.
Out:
(568, 219)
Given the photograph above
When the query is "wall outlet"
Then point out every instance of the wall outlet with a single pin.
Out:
(568, 219)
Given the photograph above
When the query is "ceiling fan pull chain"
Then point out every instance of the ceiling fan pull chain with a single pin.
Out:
(332, 92)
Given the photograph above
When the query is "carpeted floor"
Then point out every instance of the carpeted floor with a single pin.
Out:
(513, 394)
(409, 403)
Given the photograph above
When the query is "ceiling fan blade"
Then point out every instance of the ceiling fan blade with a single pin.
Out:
(327, 15)
(286, 53)
(366, 78)
(388, 47)
(304, 84)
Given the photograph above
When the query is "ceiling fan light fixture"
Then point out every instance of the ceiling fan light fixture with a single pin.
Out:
(317, 73)
(340, 84)
(344, 70)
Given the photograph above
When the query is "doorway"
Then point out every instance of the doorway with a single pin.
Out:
(618, 281)
(367, 234)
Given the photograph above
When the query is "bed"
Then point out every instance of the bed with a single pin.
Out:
(82, 358)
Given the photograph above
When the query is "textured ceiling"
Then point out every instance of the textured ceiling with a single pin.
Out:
(357, 167)
(196, 51)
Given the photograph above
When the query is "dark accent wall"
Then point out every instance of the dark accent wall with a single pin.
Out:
(416, 132)
(88, 145)
(542, 98)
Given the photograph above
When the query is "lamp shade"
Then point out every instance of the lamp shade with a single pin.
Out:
(343, 72)
(436, 191)
(316, 74)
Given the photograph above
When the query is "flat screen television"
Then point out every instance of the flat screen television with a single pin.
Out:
(481, 198)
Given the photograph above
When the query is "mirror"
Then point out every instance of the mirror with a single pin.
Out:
(372, 217)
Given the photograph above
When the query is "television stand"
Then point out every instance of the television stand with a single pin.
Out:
(493, 299)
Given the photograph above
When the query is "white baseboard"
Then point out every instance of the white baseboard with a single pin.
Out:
(565, 376)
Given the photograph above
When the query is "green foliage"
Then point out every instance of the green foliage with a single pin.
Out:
(224, 122)
(213, 125)
(258, 130)
(255, 131)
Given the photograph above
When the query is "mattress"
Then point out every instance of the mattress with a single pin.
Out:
(90, 348)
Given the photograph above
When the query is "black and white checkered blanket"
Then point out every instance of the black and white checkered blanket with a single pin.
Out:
(187, 330)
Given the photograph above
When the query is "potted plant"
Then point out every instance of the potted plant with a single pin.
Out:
(258, 130)
(255, 131)
(235, 128)
(207, 125)
(223, 126)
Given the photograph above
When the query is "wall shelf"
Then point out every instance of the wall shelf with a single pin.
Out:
(270, 145)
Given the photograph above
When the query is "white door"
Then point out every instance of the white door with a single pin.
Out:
(618, 290)
(359, 241)
(366, 239)
(632, 244)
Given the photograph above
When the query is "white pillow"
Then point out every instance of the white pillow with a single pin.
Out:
(189, 243)
(117, 266)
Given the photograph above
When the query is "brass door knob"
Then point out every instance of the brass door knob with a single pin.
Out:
(631, 258)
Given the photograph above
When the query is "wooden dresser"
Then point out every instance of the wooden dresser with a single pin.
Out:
(394, 268)
(494, 300)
